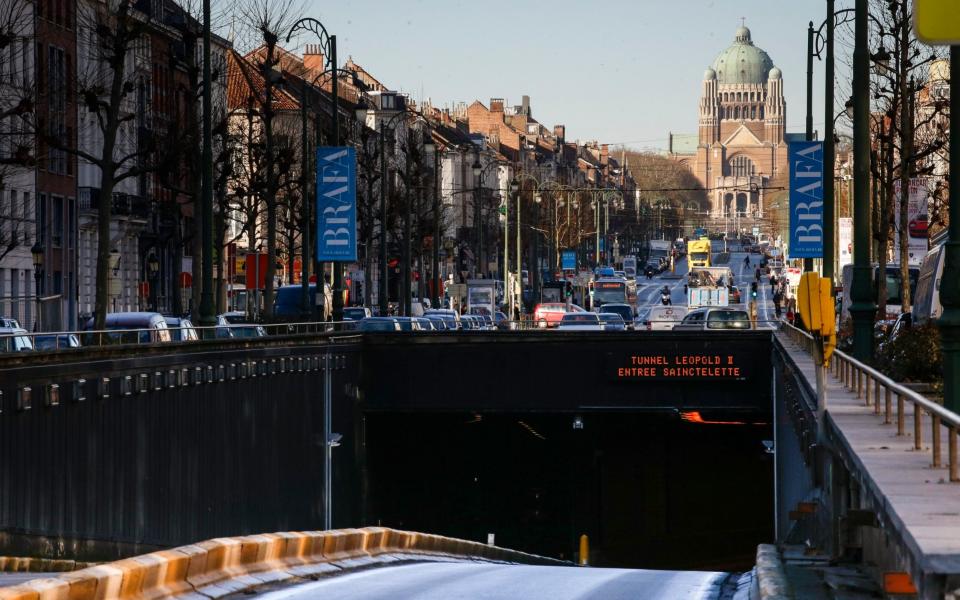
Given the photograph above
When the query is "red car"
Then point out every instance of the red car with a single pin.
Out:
(918, 227)
(549, 314)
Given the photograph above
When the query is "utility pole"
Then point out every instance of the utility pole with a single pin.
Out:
(863, 308)
(382, 298)
(829, 154)
(808, 262)
(337, 266)
(950, 283)
(435, 299)
(207, 316)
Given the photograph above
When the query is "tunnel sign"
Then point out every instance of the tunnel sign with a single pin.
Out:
(642, 366)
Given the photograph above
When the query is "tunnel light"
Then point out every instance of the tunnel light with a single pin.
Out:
(578, 422)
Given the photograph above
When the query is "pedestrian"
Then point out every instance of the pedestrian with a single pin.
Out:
(757, 275)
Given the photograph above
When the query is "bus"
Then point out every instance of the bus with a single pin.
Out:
(611, 290)
(698, 253)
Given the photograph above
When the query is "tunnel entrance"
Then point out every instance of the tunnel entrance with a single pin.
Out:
(651, 489)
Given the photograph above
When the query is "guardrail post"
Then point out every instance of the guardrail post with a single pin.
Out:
(901, 418)
(859, 383)
(917, 427)
(952, 450)
(887, 405)
(876, 397)
(866, 384)
(937, 458)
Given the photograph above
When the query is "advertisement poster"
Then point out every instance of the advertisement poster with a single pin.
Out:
(917, 220)
(806, 199)
(336, 204)
(845, 241)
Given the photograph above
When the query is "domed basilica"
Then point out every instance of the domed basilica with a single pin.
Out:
(741, 146)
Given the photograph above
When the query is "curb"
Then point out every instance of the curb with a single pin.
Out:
(770, 580)
(18, 564)
(226, 565)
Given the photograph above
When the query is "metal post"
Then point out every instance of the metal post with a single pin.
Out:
(829, 153)
(519, 255)
(335, 98)
(207, 316)
(405, 284)
(305, 208)
(435, 297)
(384, 189)
(950, 283)
(507, 295)
(863, 306)
(327, 447)
(808, 262)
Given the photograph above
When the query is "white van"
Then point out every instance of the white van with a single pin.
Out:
(926, 300)
(663, 318)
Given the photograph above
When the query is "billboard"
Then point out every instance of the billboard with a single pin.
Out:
(336, 204)
(917, 220)
(844, 241)
(806, 199)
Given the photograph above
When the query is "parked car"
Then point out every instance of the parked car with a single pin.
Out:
(247, 331)
(439, 322)
(181, 330)
(450, 316)
(604, 272)
(502, 321)
(612, 322)
(663, 318)
(379, 324)
(426, 324)
(580, 321)
(9, 322)
(407, 323)
(288, 304)
(55, 341)
(15, 339)
(355, 313)
(129, 328)
(235, 316)
(549, 314)
(709, 319)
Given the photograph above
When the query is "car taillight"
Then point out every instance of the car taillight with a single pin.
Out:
(649, 326)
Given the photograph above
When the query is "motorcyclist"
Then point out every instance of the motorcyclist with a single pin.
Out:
(665, 295)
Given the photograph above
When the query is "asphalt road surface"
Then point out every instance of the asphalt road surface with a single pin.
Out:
(479, 581)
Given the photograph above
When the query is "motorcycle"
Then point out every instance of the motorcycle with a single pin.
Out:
(665, 298)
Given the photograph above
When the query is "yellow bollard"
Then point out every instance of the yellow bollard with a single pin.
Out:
(584, 550)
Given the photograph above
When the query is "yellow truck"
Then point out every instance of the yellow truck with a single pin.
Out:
(698, 253)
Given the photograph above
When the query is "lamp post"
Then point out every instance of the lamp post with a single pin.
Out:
(475, 168)
(863, 307)
(515, 192)
(207, 316)
(950, 286)
(37, 252)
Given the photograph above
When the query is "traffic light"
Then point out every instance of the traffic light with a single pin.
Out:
(753, 289)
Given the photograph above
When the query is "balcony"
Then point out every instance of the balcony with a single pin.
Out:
(126, 205)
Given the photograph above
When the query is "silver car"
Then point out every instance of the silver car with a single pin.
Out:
(715, 319)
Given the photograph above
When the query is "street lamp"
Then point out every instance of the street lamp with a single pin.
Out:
(515, 192)
(430, 153)
(476, 169)
(37, 251)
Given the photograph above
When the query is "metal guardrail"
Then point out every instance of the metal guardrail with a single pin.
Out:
(870, 384)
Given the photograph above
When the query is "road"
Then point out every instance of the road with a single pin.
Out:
(478, 581)
(648, 290)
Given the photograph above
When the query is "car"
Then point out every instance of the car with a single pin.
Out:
(580, 321)
(55, 341)
(181, 329)
(247, 331)
(128, 328)
(15, 339)
(288, 304)
(439, 322)
(356, 313)
(379, 324)
(620, 274)
(425, 324)
(407, 323)
(918, 227)
(714, 318)
(604, 272)
(502, 322)
(549, 314)
(624, 310)
(235, 316)
(663, 318)
(612, 321)
(222, 330)
(9, 322)
(450, 316)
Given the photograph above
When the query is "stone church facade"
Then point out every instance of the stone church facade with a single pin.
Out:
(741, 145)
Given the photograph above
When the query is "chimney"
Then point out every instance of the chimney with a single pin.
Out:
(560, 132)
(604, 155)
(525, 106)
(313, 58)
(496, 105)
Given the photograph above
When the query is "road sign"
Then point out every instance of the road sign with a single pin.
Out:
(936, 22)
(568, 260)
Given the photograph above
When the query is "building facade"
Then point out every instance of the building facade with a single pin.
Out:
(742, 145)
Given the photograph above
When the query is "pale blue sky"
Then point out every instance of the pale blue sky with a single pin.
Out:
(618, 71)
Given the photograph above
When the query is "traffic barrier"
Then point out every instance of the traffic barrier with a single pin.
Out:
(769, 579)
(224, 565)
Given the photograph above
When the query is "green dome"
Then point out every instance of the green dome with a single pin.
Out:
(742, 62)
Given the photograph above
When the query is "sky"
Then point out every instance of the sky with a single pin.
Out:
(618, 71)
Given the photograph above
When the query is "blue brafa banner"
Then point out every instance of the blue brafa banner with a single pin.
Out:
(568, 260)
(806, 199)
(336, 204)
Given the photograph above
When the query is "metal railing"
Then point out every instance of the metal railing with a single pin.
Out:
(891, 400)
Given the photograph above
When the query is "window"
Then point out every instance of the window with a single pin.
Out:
(57, 224)
(71, 220)
(57, 107)
(741, 166)
(387, 101)
(41, 213)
